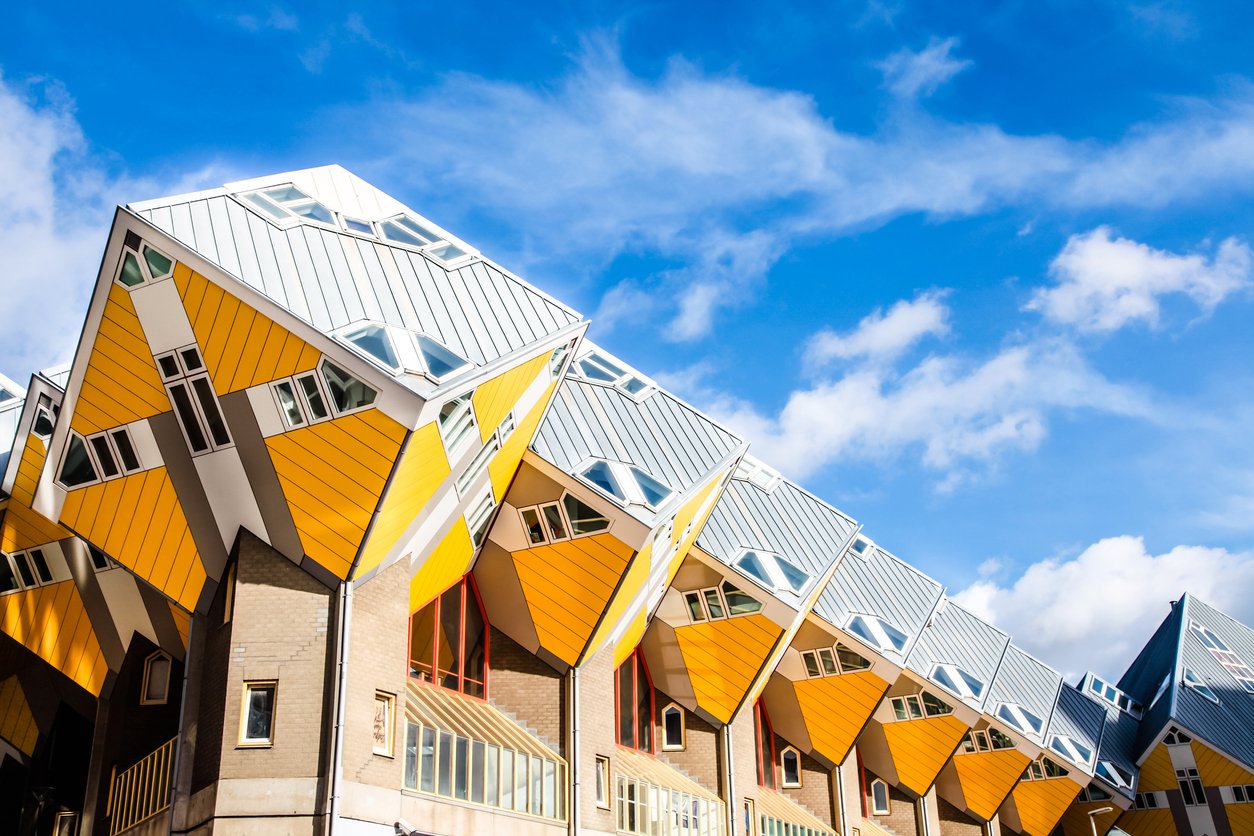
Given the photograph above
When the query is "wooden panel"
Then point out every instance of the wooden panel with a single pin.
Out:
(1216, 770)
(120, 384)
(23, 528)
(495, 398)
(138, 521)
(1075, 822)
(1240, 818)
(505, 463)
(921, 748)
(1157, 772)
(422, 468)
(17, 724)
(1151, 823)
(835, 708)
(52, 623)
(333, 474)
(988, 777)
(723, 657)
(241, 346)
(567, 586)
(446, 564)
(1041, 804)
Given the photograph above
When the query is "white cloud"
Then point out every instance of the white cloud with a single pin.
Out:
(883, 336)
(1096, 610)
(909, 74)
(603, 162)
(1105, 283)
(958, 413)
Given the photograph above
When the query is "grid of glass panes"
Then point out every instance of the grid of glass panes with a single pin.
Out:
(779, 827)
(450, 765)
(448, 641)
(917, 706)
(651, 810)
(1224, 655)
(833, 661)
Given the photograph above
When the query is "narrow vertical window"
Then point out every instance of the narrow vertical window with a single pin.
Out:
(602, 782)
(41, 566)
(8, 578)
(156, 685)
(880, 805)
(765, 746)
(634, 690)
(790, 767)
(673, 727)
(257, 714)
(449, 641)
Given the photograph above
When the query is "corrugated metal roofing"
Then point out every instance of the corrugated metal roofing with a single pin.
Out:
(788, 520)
(1026, 681)
(1119, 733)
(1228, 725)
(1077, 717)
(660, 434)
(882, 585)
(954, 636)
(331, 278)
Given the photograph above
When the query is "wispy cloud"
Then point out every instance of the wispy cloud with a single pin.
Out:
(909, 74)
(1103, 283)
(1115, 589)
(603, 162)
(883, 335)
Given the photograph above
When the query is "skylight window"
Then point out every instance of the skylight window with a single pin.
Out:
(756, 472)
(1106, 692)
(625, 482)
(1192, 680)
(1071, 749)
(1232, 663)
(439, 361)
(1115, 775)
(861, 547)
(283, 202)
(877, 632)
(376, 343)
(957, 681)
(772, 570)
(405, 230)
(1020, 718)
(597, 368)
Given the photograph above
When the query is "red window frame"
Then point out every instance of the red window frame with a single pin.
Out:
(637, 665)
(764, 736)
(435, 675)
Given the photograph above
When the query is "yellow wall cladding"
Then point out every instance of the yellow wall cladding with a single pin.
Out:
(333, 474)
(631, 636)
(52, 623)
(1157, 772)
(138, 521)
(616, 608)
(988, 777)
(1240, 817)
(505, 463)
(835, 708)
(1075, 822)
(1151, 823)
(17, 724)
(1216, 770)
(445, 565)
(723, 657)
(241, 347)
(121, 384)
(422, 468)
(567, 586)
(23, 528)
(28, 469)
(921, 748)
(1041, 804)
(493, 399)
(182, 622)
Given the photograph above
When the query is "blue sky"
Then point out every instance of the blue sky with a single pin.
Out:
(980, 276)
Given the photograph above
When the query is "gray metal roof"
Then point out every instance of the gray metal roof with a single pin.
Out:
(1024, 680)
(954, 636)
(661, 434)
(331, 278)
(787, 520)
(879, 584)
(1077, 717)
(1118, 742)
(1228, 725)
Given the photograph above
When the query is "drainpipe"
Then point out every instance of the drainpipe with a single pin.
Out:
(572, 752)
(185, 748)
(729, 759)
(345, 616)
(842, 819)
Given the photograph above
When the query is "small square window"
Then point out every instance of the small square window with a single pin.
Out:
(384, 710)
(257, 714)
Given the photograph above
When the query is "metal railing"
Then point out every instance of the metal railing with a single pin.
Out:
(142, 791)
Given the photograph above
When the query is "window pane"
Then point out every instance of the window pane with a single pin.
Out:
(655, 493)
(811, 660)
(23, 569)
(260, 722)
(550, 789)
(444, 765)
(531, 522)
(41, 566)
(450, 637)
(43, 422)
(829, 661)
(738, 603)
(158, 680)
(476, 771)
(438, 359)
(751, 564)
(791, 762)
(288, 405)
(520, 782)
(492, 776)
(553, 522)
(421, 643)
(644, 708)
(105, 456)
(476, 646)
(347, 392)
(158, 264)
(695, 611)
(411, 756)
(626, 697)
(714, 603)
(375, 341)
(209, 406)
(850, 661)
(188, 418)
(126, 450)
(583, 518)
(537, 785)
(507, 779)
(78, 468)
(795, 577)
(313, 397)
(673, 727)
(131, 274)
(395, 232)
(600, 475)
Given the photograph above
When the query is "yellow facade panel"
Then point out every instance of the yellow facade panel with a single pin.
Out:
(835, 709)
(121, 383)
(631, 637)
(443, 567)
(1149, 823)
(494, 398)
(723, 657)
(51, 622)
(23, 528)
(988, 777)
(921, 748)
(17, 723)
(1157, 772)
(1216, 770)
(1041, 804)
(1075, 822)
(1240, 818)
(505, 464)
(28, 470)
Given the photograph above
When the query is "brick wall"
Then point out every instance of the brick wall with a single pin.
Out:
(377, 648)
(902, 818)
(596, 737)
(954, 822)
(524, 686)
(815, 792)
(207, 725)
(699, 757)
(279, 631)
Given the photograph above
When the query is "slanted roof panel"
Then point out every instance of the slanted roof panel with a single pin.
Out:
(881, 585)
(1119, 733)
(1026, 681)
(1228, 725)
(1079, 718)
(954, 636)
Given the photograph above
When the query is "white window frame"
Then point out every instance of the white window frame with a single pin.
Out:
(908, 703)
(246, 742)
(1113, 775)
(1175, 737)
(1111, 695)
(461, 425)
(879, 635)
(387, 703)
(165, 691)
(290, 218)
(1018, 719)
(757, 472)
(148, 276)
(1193, 680)
(431, 248)
(602, 779)
(44, 407)
(701, 594)
(876, 809)
(1070, 748)
(623, 475)
(563, 516)
(821, 655)
(479, 515)
(187, 377)
(93, 456)
(1036, 770)
(301, 398)
(667, 745)
(783, 770)
(623, 381)
(956, 673)
(770, 562)
(477, 466)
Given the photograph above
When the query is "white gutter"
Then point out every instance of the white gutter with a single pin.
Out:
(341, 697)
(572, 754)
